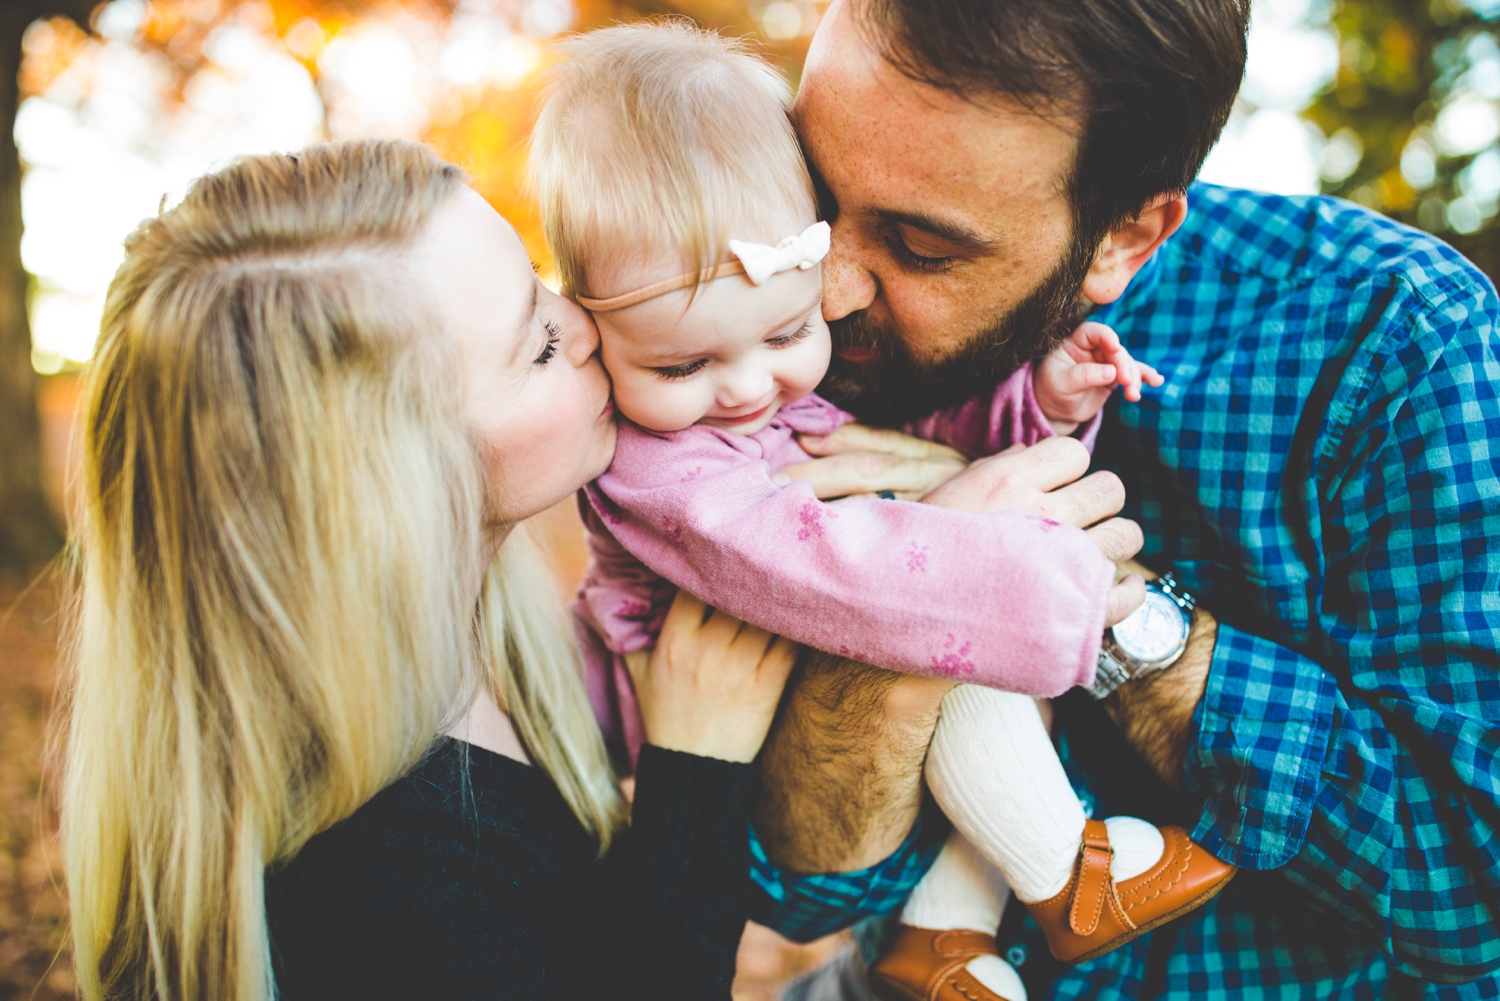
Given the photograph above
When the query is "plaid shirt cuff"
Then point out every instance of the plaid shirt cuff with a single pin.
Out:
(807, 907)
(1262, 732)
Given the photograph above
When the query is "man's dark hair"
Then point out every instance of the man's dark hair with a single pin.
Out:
(1151, 81)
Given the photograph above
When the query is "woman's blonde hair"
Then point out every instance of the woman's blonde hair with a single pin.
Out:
(278, 564)
(661, 136)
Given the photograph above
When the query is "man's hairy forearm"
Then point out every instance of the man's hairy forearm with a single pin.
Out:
(842, 768)
(1155, 712)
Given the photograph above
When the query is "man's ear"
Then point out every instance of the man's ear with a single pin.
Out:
(1130, 245)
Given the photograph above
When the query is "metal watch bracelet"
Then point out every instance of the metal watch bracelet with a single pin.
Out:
(1112, 672)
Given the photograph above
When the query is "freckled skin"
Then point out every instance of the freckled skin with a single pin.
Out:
(883, 142)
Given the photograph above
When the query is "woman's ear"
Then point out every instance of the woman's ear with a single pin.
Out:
(1130, 245)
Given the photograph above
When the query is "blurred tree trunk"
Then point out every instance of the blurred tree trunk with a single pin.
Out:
(29, 533)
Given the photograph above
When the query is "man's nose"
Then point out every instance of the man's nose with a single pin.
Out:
(848, 286)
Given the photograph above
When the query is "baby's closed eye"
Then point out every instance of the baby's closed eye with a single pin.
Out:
(683, 371)
(787, 340)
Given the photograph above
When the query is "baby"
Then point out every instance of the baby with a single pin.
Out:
(681, 212)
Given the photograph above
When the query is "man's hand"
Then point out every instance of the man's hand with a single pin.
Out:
(857, 460)
(1045, 479)
(1155, 712)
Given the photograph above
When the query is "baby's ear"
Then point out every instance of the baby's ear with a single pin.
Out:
(1130, 245)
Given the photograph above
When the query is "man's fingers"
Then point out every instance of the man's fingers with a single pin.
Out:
(1124, 598)
(859, 438)
(1092, 499)
(1118, 539)
(1048, 464)
(852, 473)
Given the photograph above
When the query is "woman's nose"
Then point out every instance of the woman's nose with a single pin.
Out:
(581, 341)
(848, 286)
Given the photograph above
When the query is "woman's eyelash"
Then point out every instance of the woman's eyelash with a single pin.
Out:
(554, 338)
(682, 371)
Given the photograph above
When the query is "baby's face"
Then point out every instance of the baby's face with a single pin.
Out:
(731, 358)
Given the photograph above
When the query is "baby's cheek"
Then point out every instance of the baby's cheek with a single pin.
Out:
(656, 405)
(631, 400)
(811, 364)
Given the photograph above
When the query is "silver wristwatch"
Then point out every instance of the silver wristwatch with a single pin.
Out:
(1148, 639)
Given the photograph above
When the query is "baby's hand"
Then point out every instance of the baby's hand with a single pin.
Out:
(1073, 382)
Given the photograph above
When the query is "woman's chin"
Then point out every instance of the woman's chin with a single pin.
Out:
(606, 452)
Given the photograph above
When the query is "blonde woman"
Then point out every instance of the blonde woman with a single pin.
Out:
(329, 736)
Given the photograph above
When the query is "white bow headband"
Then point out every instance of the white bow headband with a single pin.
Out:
(756, 261)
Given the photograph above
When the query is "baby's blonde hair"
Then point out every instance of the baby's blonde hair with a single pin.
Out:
(661, 136)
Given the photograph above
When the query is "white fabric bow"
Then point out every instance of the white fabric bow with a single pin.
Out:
(801, 251)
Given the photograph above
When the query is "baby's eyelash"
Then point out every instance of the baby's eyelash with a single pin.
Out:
(792, 338)
(682, 371)
(549, 350)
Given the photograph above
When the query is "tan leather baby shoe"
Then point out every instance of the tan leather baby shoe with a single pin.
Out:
(923, 965)
(1093, 914)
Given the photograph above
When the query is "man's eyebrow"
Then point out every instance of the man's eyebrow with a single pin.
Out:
(953, 232)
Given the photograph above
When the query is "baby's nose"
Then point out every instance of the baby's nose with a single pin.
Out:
(744, 385)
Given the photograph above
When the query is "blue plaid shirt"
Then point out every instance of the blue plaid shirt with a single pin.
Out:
(1321, 469)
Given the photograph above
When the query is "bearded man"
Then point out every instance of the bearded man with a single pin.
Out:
(1319, 469)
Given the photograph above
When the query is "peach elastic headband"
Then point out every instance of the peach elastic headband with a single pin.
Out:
(756, 261)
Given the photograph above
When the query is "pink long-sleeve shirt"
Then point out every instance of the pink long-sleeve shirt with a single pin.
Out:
(1009, 599)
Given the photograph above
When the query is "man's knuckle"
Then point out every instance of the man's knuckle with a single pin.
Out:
(1109, 484)
(1070, 449)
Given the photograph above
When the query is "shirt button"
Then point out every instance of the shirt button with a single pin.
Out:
(1016, 955)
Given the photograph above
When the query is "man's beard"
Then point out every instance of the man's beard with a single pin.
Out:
(893, 388)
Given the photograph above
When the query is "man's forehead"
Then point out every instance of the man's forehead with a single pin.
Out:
(861, 118)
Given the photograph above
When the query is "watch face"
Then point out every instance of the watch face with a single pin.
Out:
(1154, 631)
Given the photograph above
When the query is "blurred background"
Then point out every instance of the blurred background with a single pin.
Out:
(108, 108)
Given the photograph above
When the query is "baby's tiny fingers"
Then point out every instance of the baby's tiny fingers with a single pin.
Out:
(1151, 375)
(1098, 335)
(1089, 375)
